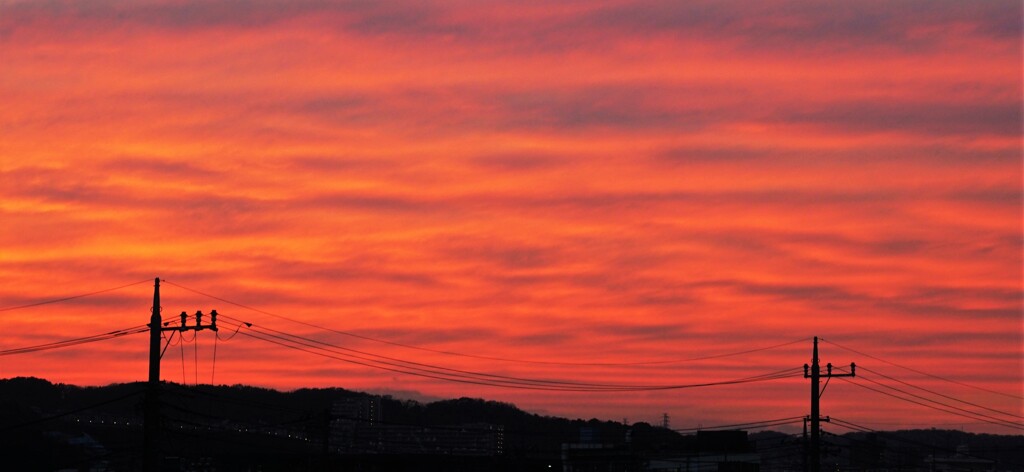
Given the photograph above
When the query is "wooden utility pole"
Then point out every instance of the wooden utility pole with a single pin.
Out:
(151, 418)
(815, 375)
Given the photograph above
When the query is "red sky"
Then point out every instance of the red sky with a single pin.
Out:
(597, 181)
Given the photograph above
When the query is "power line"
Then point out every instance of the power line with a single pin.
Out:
(749, 425)
(72, 297)
(852, 426)
(927, 424)
(956, 408)
(429, 367)
(395, 362)
(896, 437)
(213, 369)
(490, 379)
(527, 384)
(418, 374)
(924, 373)
(477, 356)
(971, 415)
(181, 348)
(942, 395)
(74, 341)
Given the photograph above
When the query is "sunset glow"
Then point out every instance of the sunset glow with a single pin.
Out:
(597, 182)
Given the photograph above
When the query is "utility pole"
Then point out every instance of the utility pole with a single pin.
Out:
(151, 419)
(815, 375)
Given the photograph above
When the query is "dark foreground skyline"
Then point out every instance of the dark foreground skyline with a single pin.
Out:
(44, 426)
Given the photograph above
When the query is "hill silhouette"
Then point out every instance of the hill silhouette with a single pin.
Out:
(46, 426)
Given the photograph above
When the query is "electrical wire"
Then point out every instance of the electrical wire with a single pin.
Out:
(926, 399)
(971, 415)
(72, 297)
(172, 342)
(895, 437)
(194, 334)
(851, 426)
(1010, 423)
(181, 345)
(370, 357)
(213, 368)
(927, 424)
(921, 372)
(476, 356)
(169, 338)
(401, 371)
(168, 344)
(497, 381)
(749, 425)
(317, 344)
(74, 341)
(940, 394)
(234, 333)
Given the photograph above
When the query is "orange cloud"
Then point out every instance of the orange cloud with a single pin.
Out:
(595, 182)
